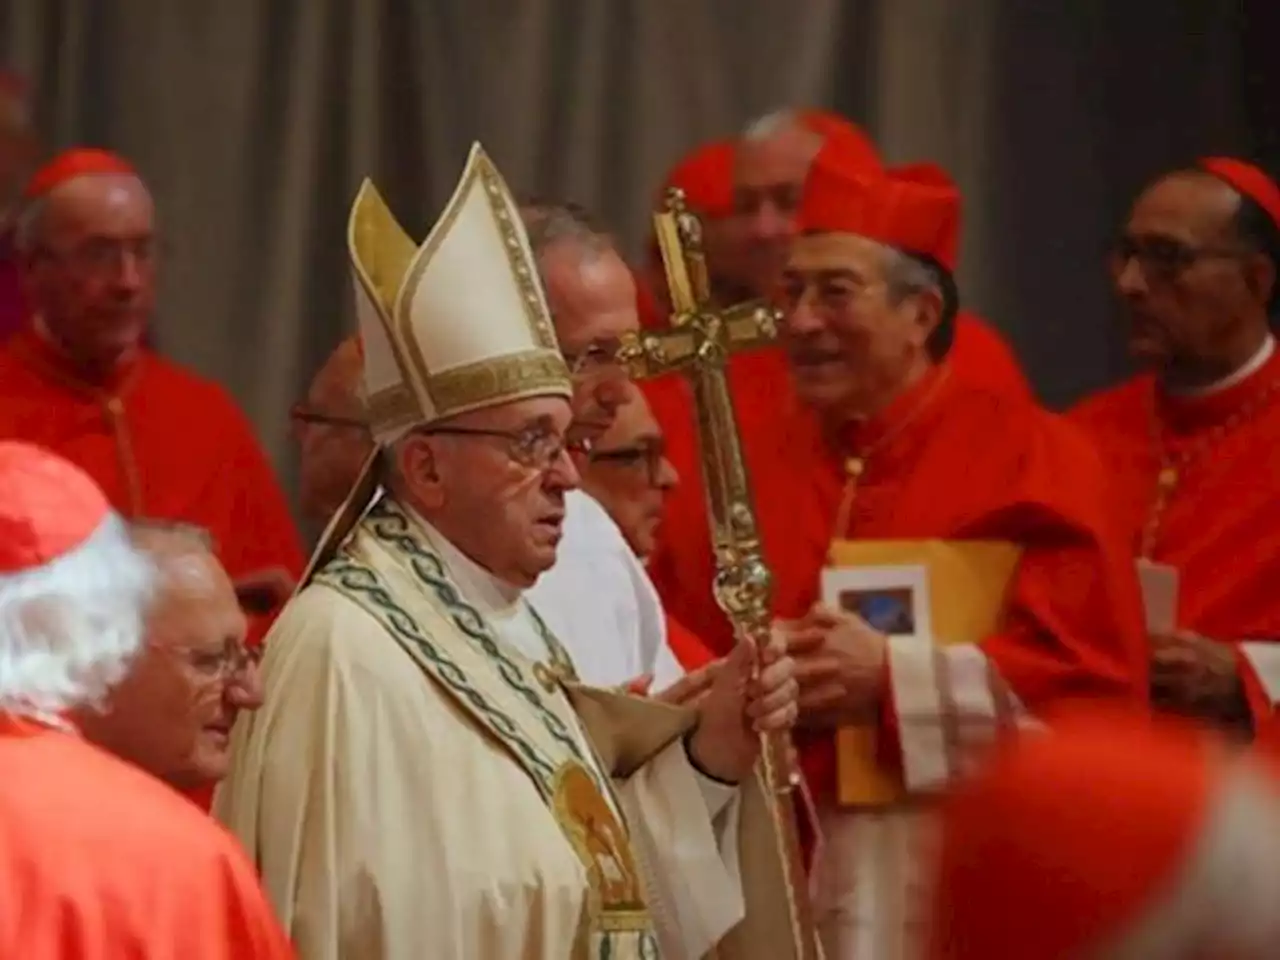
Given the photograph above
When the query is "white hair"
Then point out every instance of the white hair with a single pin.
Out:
(69, 629)
(906, 274)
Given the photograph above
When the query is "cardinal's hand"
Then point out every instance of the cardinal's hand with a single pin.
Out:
(840, 663)
(1199, 677)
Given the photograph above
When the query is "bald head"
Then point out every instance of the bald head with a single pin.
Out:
(91, 196)
(184, 560)
(333, 438)
(192, 582)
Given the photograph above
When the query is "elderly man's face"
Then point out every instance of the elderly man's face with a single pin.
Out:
(769, 179)
(629, 474)
(91, 274)
(851, 347)
(592, 296)
(173, 713)
(333, 439)
(1185, 280)
(493, 482)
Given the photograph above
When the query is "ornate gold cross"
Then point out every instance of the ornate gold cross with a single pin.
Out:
(699, 343)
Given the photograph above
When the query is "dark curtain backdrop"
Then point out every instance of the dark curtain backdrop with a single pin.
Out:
(254, 121)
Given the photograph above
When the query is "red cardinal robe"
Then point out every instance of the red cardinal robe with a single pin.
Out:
(162, 443)
(690, 652)
(1220, 524)
(98, 861)
(946, 461)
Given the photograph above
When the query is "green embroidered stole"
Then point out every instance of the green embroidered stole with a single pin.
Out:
(495, 688)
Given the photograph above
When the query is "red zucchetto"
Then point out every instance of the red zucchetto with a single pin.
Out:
(706, 177)
(915, 209)
(1248, 180)
(48, 507)
(76, 162)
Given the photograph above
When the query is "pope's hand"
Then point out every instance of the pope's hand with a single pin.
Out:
(737, 709)
(840, 663)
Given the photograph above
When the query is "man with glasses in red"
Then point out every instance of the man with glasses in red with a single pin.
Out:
(1192, 442)
(163, 443)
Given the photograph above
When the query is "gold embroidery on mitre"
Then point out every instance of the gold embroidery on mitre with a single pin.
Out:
(532, 373)
(602, 845)
(519, 257)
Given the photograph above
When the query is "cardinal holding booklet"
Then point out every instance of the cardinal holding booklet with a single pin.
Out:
(887, 460)
(163, 443)
(1193, 443)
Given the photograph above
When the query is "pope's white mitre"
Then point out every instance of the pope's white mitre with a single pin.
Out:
(457, 323)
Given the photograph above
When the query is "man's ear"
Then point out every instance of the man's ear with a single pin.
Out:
(1260, 277)
(928, 313)
(415, 459)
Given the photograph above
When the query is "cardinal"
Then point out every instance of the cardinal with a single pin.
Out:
(99, 859)
(1192, 443)
(883, 442)
(163, 443)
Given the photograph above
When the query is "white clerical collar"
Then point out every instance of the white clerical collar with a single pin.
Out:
(481, 587)
(499, 602)
(1241, 374)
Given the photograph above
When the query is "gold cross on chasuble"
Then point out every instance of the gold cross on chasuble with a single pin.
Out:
(698, 343)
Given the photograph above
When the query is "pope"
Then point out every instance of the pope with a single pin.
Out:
(426, 778)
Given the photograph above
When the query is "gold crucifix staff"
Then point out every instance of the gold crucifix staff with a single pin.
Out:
(698, 343)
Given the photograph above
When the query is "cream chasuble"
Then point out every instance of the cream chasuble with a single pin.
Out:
(419, 784)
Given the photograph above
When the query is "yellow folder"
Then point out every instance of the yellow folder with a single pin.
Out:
(967, 584)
